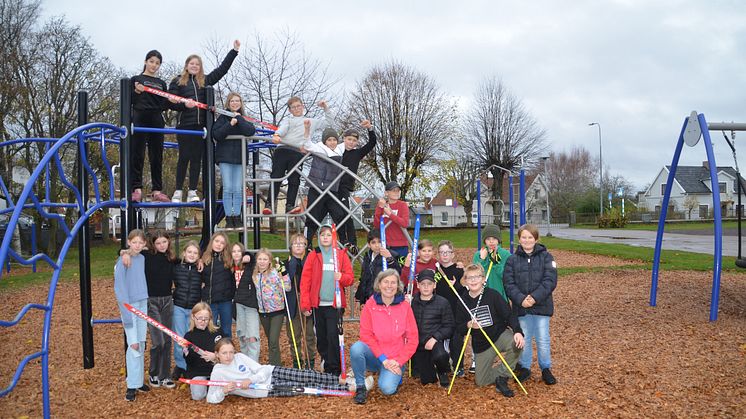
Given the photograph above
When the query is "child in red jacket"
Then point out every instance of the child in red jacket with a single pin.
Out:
(424, 261)
(317, 296)
(395, 213)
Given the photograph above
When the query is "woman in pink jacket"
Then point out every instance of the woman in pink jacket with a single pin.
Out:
(388, 336)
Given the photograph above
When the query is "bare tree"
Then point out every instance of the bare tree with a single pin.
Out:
(502, 133)
(573, 173)
(412, 116)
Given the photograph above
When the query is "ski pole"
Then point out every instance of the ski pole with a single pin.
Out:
(383, 244)
(338, 302)
(178, 339)
(460, 357)
(304, 342)
(287, 310)
(413, 261)
(204, 106)
(474, 319)
(269, 387)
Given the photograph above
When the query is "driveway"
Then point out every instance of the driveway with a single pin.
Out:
(702, 242)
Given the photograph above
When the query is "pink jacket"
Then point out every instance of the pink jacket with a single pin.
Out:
(389, 330)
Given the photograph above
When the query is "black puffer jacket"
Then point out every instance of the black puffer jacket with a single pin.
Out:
(229, 150)
(534, 274)
(246, 292)
(187, 285)
(434, 318)
(323, 173)
(369, 270)
(220, 284)
(196, 117)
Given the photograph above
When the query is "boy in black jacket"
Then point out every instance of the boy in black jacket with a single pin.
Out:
(450, 271)
(351, 160)
(373, 265)
(435, 325)
(492, 313)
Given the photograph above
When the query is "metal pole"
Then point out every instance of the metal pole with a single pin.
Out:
(479, 214)
(600, 171)
(125, 184)
(522, 197)
(208, 178)
(512, 211)
(255, 200)
(549, 213)
(84, 240)
(245, 238)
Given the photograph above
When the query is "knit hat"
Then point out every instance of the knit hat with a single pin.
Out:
(491, 230)
(328, 133)
(427, 274)
(351, 133)
(392, 185)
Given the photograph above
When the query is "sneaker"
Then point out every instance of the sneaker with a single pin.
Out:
(192, 196)
(460, 373)
(168, 383)
(144, 388)
(523, 374)
(176, 197)
(369, 383)
(547, 377)
(130, 394)
(136, 195)
(473, 368)
(350, 383)
(501, 383)
(153, 381)
(296, 210)
(443, 378)
(360, 395)
(267, 211)
(159, 196)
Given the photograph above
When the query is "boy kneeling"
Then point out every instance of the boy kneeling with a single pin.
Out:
(494, 315)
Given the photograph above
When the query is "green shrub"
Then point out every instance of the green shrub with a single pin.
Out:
(612, 219)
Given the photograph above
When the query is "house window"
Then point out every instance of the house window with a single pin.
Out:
(721, 187)
(663, 188)
(703, 211)
(536, 194)
(444, 217)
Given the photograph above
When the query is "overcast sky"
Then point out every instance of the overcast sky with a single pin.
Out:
(637, 67)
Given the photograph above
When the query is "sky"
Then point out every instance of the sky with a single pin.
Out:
(636, 67)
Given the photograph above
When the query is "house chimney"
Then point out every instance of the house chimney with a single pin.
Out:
(706, 165)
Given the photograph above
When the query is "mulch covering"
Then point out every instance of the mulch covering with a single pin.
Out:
(613, 356)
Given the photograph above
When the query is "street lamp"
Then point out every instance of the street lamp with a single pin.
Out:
(600, 170)
(546, 185)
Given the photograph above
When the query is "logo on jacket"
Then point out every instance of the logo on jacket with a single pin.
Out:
(242, 368)
(217, 338)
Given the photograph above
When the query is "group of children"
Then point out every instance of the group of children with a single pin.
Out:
(508, 296)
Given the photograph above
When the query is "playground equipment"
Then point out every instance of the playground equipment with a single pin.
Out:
(522, 202)
(696, 127)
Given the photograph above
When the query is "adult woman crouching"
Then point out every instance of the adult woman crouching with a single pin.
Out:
(388, 336)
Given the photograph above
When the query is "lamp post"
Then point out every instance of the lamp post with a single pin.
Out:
(600, 170)
(546, 185)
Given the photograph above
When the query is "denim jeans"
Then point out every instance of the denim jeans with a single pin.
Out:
(537, 327)
(135, 359)
(247, 328)
(223, 312)
(362, 359)
(181, 326)
(232, 179)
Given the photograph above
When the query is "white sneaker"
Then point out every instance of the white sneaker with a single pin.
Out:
(192, 196)
(351, 383)
(369, 383)
(176, 197)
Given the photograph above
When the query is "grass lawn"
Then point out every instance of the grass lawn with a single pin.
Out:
(104, 256)
(672, 227)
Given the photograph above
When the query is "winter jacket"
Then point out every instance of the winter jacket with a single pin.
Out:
(229, 150)
(220, 285)
(434, 318)
(389, 331)
(351, 160)
(419, 267)
(159, 274)
(535, 275)
(271, 288)
(493, 266)
(242, 368)
(323, 173)
(310, 282)
(206, 340)
(496, 316)
(196, 117)
(369, 270)
(246, 291)
(395, 237)
(187, 285)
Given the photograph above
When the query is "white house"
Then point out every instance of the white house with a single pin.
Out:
(691, 193)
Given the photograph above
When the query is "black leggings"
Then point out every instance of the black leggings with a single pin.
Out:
(347, 233)
(191, 148)
(283, 160)
(321, 206)
(154, 143)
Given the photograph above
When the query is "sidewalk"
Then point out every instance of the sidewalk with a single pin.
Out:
(700, 243)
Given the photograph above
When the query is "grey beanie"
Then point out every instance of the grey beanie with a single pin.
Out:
(490, 230)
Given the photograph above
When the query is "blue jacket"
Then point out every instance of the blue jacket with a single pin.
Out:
(534, 274)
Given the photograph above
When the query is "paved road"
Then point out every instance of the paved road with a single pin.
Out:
(698, 243)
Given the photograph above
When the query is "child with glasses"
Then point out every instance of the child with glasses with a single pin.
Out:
(204, 334)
